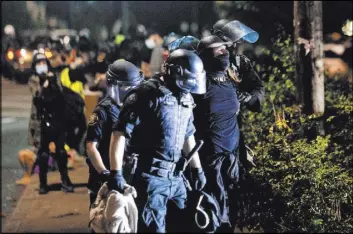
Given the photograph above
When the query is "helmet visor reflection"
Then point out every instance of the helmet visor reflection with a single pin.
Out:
(234, 31)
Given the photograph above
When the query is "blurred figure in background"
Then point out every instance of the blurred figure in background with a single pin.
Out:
(47, 121)
(153, 40)
(75, 80)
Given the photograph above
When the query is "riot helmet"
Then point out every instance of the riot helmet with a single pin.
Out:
(234, 31)
(122, 76)
(186, 42)
(185, 69)
(123, 73)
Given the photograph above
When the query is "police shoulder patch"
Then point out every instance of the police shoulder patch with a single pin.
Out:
(131, 99)
(93, 119)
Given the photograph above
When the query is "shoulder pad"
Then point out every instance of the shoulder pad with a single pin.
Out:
(156, 84)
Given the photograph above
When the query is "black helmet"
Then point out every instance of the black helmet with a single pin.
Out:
(210, 42)
(124, 73)
(39, 57)
(186, 68)
(234, 31)
(186, 42)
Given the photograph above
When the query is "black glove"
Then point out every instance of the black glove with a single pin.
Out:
(199, 179)
(244, 97)
(104, 176)
(116, 181)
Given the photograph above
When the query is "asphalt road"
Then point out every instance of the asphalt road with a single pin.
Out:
(15, 106)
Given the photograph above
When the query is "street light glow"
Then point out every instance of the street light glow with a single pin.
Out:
(23, 52)
(348, 28)
(66, 40)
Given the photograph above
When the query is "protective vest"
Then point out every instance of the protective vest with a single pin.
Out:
(76, 86)
(167, 123)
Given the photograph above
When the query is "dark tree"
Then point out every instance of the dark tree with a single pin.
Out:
(309, 54)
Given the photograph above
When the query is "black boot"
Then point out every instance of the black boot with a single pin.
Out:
(43, 189)
(67, 186)
(43, 171)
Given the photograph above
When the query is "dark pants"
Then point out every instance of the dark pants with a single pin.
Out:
(153, 193)
(56, 135)
(94, 184)
(222, 173)
(76, 132)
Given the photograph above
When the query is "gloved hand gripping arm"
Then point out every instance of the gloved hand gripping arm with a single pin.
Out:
(199, 178)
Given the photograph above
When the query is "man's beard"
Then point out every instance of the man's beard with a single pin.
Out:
(215, 64)
(221, 62)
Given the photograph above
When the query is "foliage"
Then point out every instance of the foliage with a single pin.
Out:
(302, 181)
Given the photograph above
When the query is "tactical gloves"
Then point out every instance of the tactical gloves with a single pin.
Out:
(116, 181)
(244, 97)
(199, 179)
(104, 176)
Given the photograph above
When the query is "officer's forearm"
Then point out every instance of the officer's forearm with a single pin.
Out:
(95, 156)
(116, 152)
(188, 146)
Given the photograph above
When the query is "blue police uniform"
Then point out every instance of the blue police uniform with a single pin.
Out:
(216, 123)
(157, 122)
(99, 130)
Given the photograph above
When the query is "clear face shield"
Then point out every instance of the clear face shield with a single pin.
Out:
(192, 82)
(119, 92)
(235, 31)
(186, 42)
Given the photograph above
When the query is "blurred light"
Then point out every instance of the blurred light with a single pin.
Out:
(184, 26)
(21, 60)
(348, 28)
(194, 27)
(9, 30)
(85, 32)
(10, 55)
(23, 52)
(17, 54)
(66, 40)
(336, 36)
(41, 50)
(48, 53)
(101, 57)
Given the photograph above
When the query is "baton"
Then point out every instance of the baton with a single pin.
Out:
(188, 158)
(196, 148)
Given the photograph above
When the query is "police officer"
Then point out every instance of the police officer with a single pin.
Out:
(157, 118)
(48, 112)
(121, 77)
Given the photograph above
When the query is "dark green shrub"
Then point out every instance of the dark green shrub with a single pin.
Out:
(302, 182)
